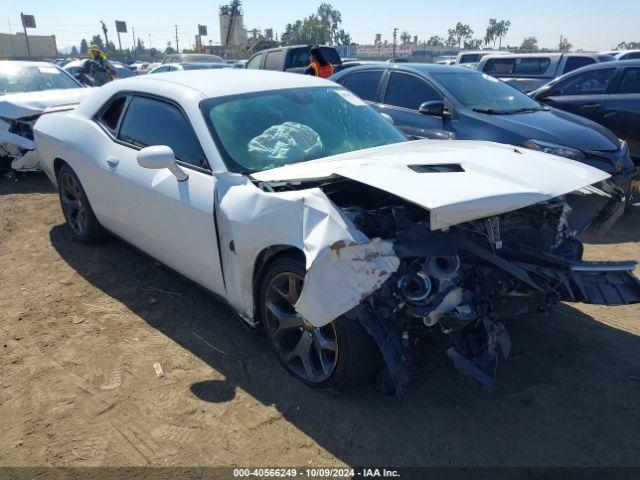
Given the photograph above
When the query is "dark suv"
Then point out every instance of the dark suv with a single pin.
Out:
(291, 59)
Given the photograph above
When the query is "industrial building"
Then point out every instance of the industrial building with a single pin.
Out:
(15, 46)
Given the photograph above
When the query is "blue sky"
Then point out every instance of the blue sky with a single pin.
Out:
(588, 24)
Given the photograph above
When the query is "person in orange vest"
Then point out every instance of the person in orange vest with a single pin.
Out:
(318, 67)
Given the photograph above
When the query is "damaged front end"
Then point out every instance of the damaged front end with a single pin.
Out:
(17, 147)
(462, 281)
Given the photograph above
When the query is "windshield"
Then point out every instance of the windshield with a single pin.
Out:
(260, 131)
(19, 78)
(483, 93)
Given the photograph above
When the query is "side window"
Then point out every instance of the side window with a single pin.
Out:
(275, 60)
(630, 82)
(593, 82)
(499, 66)
(299, 57)
(632, 56)
(255, 62)
(574, 63)
(165, 68)
(110, 116)
(531, 65)
(408, 91)
(364, 84)
(150, 122)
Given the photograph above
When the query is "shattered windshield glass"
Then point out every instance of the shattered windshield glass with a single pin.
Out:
(17, 79)
(260, 131)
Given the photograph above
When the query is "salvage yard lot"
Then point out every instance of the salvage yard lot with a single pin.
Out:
(81, 328)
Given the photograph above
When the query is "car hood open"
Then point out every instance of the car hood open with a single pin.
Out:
(21, 105)
(457, 181)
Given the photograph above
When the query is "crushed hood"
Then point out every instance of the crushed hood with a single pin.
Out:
(20, 105)
(481, 179)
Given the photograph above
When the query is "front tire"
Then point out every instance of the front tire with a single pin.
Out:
(76, 208)
(335, 357)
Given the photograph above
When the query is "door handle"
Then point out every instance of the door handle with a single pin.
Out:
(590, 106)
(113, 161)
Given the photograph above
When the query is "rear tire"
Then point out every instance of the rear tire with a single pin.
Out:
(335, 357)
(76, 208)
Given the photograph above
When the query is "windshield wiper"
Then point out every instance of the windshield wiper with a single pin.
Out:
(489, 111)
(527, 109)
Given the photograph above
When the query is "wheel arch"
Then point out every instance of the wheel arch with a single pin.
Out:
(264, 259)
(57, 165)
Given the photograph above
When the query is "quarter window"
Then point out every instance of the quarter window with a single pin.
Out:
(408, 91)
(630, 82)
(149, 122)
(111, 114)
(593, 82)
(255, 62)
(364, 84)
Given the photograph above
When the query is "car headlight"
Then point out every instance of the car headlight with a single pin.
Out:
(554, 149)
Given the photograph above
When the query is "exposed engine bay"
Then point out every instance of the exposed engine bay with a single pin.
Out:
(464, 280)
(17, 148)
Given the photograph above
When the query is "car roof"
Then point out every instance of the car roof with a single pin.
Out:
(624, 52)
(419, 68)
(597, 66)
(610, 64)
(222, 82)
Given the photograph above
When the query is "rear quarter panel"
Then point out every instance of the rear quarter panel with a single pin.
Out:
(83, 145)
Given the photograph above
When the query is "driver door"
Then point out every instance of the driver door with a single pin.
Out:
(170, 220)
(403, 95)
(583, 94)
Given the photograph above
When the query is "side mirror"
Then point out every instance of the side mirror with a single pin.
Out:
(161, 156)
(434, 108)
(543, 92)
(387, 117)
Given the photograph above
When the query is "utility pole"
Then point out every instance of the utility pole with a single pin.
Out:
(395, 39)
(149, 44)
(13, 47)
(560, 44)
(106, 39)
(177, 47)
(133, 34)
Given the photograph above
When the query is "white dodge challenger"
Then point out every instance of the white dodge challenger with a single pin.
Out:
(319, 222)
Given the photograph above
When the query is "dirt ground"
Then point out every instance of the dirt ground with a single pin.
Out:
(81, 328)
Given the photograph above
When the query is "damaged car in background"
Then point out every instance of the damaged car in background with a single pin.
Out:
(320, 223)
(27, 89)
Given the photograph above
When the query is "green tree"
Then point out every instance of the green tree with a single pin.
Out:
(330, 20)
(405, 37)
(473, 44)
(97, 41)
(342, 38)
(318, 28)
(74, 51)
(435, 41)
(529, 44)
(496, 30)
(169, 50)
(84, 47)
(628, 46)
(564, 45)
(459, 34)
